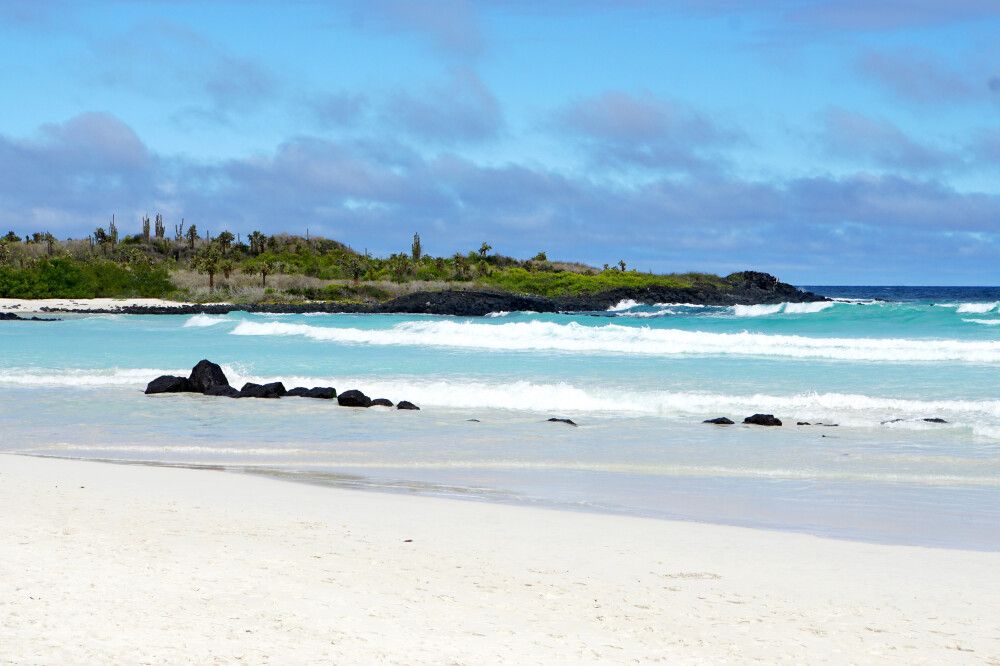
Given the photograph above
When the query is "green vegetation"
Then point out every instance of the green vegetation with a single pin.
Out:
(64, 277)
(566, 283)
(282, 268)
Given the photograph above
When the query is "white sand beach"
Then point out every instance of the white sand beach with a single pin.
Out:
(23, 305)
(106, 563)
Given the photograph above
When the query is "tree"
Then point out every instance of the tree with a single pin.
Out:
(159, 228)
(225, 239)
(11, 237)
(207, 261)
(50, 243)
(257, 242)
(484, 249)
(399, 266)
(263, 267)
(145, 228)
(541, 256)
(227, 267)
(621, 265)
(357, 268)
(415, 250)
(461, 266)
(192, 235)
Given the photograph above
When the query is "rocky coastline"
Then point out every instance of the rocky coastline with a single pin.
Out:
(746, 288)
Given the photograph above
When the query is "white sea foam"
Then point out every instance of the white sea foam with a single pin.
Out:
(646, 314)
(847, 409)
(204, 320)
(498, 313)
(806, 308)
(976, 308)
(985, 322)
(756, 310)
(79, 377)
(776, 308)
(626, 304)
(614, 338)
(857, 301)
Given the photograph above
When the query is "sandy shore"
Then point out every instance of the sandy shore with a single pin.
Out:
(104, 563)
(31, 306)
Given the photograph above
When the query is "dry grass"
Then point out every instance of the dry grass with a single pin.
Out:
(242, 288)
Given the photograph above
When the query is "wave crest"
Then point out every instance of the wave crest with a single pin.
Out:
(619, 339)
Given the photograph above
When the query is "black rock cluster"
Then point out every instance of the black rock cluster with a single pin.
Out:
(207, 378)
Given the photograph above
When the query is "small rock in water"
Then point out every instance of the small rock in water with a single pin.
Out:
(722, 420)
(935, 420)
(207, 375)
(272, 390)
(353, 398)
(762, 420)
(892, 421)
(224, 391)
(381, 402)
(169, 384)
(806, 423)
(472, 420)
(566, 421)
(320, 392)
(406, 404)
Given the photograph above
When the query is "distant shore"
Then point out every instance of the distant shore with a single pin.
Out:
(130, 564)
(744, 289)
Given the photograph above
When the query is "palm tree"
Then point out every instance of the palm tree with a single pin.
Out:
(257, 241)
(192, 235)
(207, 261)
(263, 267)
(225, 239)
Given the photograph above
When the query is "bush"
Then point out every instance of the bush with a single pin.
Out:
(63, 277)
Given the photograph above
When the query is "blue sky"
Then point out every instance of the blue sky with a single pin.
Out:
(826, 141)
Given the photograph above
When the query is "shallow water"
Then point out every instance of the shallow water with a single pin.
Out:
(638, 379)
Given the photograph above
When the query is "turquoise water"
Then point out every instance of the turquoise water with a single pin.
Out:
(639, 379)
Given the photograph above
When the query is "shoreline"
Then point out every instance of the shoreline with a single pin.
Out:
(748, 289)
(360, 484)
(133, 563)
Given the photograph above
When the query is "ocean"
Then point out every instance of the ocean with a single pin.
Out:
(638, 379)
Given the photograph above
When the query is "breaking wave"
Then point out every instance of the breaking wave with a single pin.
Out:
(976, 308)
(204, 320)
(619, 339)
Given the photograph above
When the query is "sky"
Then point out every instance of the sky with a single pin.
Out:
(824, 141)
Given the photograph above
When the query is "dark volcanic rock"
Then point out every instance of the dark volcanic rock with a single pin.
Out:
(466, 303)
(169, 384)
(745, 288)
(207, 375)
(226, 391)
(381, 402)
(353, 398)
(406, 404)
(298, 392)
(322, 393)
(935, 420)
(11, 316)
(722, 420)
(566, 421)
(892, 421)
(804, 423)
(272, 390)
(762, 420)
